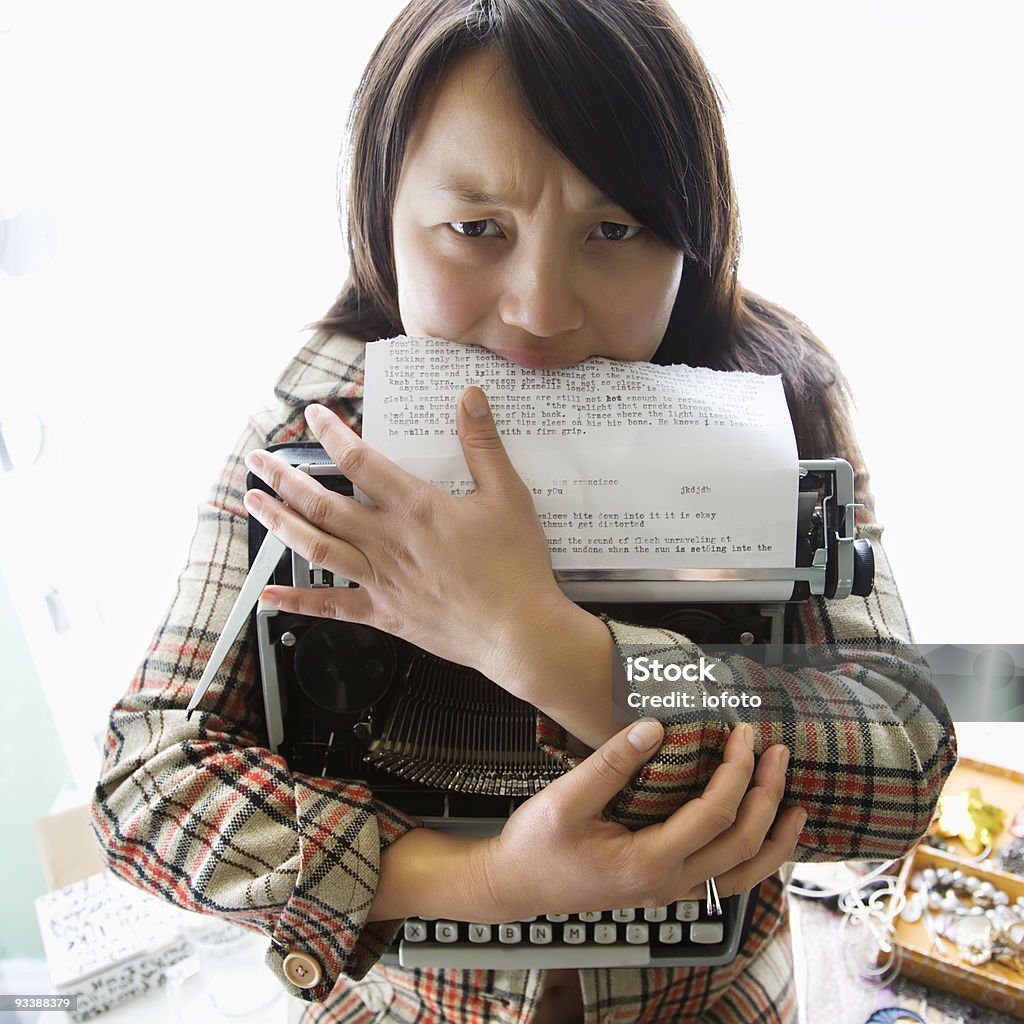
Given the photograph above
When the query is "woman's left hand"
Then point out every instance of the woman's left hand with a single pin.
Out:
(467, 578)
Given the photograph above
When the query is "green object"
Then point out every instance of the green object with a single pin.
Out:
(33, 769)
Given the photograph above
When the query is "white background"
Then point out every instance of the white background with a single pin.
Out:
(187, 153)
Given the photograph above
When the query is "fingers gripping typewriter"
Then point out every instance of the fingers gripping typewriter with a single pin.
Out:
(445, 744)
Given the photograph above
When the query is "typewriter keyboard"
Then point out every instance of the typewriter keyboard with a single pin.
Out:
(680, 934)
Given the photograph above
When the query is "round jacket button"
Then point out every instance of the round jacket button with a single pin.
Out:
(301, 970)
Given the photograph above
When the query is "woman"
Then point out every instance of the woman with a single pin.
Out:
(548, 179)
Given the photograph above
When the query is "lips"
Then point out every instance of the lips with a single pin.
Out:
(536, 359)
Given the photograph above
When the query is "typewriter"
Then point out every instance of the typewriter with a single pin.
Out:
(443, 743)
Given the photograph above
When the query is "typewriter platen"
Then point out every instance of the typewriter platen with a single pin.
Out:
(443, 743)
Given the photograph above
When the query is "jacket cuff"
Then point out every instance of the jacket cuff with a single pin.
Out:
(322, 932)
(692, 745)
(691, 749)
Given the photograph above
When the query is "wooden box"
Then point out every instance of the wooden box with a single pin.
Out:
(993, 985)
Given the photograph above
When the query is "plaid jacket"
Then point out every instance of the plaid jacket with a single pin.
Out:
(200, 812)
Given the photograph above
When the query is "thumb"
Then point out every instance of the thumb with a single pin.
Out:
(485, 453)
(592, 784)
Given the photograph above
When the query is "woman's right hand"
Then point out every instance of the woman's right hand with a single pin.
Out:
(559, 854)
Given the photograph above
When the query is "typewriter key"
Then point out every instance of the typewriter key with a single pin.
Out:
(344, 666)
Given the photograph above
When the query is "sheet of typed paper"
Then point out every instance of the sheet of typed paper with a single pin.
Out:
(630, 465)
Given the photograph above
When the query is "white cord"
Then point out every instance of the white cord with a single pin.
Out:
(812, 894)
(876, 917)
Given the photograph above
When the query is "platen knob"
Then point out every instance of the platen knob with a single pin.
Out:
(863, 568)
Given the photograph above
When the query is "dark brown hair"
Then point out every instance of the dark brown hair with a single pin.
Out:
(579, 67)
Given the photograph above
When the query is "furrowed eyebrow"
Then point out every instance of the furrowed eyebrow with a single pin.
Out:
(469, 193)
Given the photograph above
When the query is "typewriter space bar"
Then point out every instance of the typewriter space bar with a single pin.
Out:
(492, 956)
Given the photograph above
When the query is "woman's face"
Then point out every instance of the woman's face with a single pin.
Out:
(500, 242)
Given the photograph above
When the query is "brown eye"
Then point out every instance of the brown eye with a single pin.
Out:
(470, 228)
(613, 232)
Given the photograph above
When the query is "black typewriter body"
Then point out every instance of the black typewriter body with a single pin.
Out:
(443, 743)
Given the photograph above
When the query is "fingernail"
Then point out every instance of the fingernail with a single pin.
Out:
(254, 460)
(476, 403)
(270, 600)
(644, 734)
(252, 500)
(782, 759)
(801, 820)
(315, 415)
(748, 735)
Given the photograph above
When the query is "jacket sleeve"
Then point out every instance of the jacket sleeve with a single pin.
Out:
(200, 812)
(870, 739)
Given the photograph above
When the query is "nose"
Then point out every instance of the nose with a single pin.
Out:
(540, 295)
